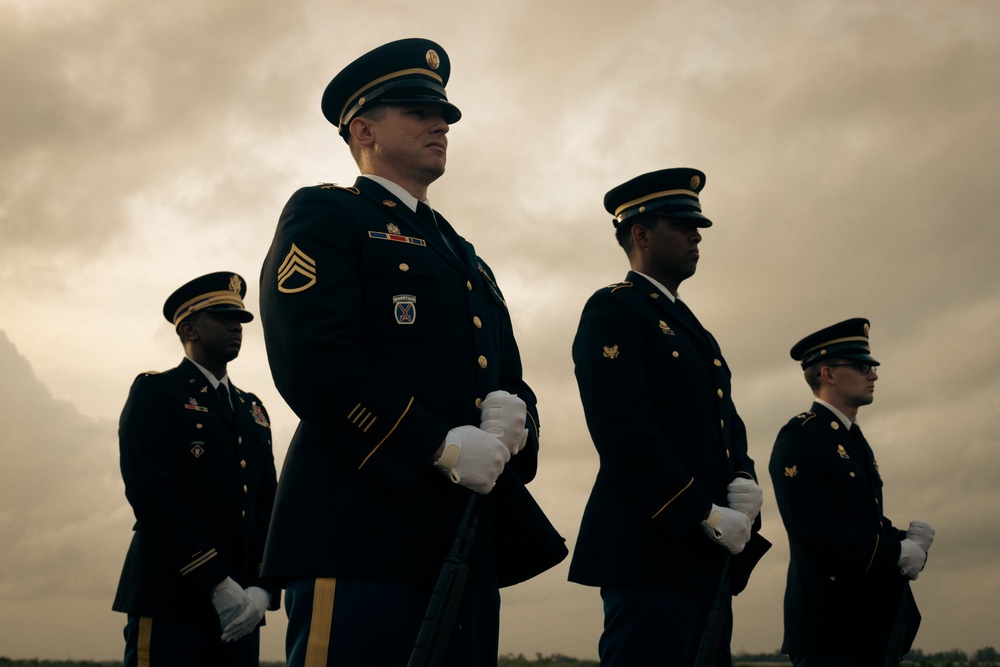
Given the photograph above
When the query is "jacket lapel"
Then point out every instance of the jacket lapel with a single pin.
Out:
(677, 314)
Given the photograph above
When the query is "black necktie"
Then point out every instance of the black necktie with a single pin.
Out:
(224, 395)
(427, 215)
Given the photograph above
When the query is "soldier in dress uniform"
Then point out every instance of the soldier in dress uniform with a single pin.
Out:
(199, 473)
(676, 503)
(391, 340)
(850, 567)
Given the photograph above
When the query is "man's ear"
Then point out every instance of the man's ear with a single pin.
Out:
(362, 130)
(187, 331)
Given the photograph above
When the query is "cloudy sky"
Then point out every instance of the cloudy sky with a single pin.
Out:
(852, 155)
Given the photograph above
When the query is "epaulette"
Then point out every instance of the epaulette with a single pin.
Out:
(333, 186)
(802, 418)
(617, 286)
(147, 373)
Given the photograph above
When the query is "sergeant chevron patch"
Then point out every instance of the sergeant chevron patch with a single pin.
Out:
(297, 272)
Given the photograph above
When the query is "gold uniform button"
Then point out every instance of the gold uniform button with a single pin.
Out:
(468, 285)
(239, 440)
(479, 402)
(722, 423)
(852, 473)
(720, 393)
(482, 361)
(676, 354)
(727, 453)
(243, 464)
(243, 514)
(244, 488)
(198, 426)
(404, 267)
(477, 322)
(717, 363)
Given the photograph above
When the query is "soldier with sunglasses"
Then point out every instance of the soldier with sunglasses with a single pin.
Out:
(847, 591)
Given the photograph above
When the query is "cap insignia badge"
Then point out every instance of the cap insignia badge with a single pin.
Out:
(433, 59)
(235, 284)
(405, 308)
(611, 352)
(695, 181)
(842, 452)
(791, 472)
(391, 228)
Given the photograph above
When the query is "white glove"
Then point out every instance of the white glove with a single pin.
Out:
(505, 415)
(251, 617)
(745, 496)
(911, 558)
(921, 533)
(229, 600)
(728, 527)
(473, 458)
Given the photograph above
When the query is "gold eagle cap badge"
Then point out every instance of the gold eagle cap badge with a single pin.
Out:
(611, 352)
(791, 472)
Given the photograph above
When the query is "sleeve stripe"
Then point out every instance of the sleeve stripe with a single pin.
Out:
(198, 562)
(874, 551)
(391, 431)
(686, 487)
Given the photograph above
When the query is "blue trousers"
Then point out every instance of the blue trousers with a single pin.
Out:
(351, 622)
(154, 642)
(649, 626)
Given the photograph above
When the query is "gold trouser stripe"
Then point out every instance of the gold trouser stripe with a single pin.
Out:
(318, 644)
(142, 645)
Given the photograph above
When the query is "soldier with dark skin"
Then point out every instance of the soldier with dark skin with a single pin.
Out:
(676, 496)
(390, 339)
(849, 569)
(199, 472)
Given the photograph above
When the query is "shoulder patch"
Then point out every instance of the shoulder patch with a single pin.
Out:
(297, 272)
(333, 186)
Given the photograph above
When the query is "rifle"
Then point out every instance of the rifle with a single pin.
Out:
(435, 631)
(897, 635)
(711, 635)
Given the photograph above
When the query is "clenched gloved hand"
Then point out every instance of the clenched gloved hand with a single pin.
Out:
(746, 496)
(505, 416)
(728, 527)
(473, 458)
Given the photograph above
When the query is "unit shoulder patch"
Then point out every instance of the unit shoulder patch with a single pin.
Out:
(297, 272)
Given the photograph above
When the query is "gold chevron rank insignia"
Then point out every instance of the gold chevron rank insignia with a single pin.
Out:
(297, 272)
